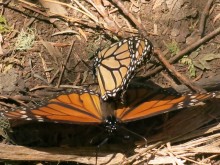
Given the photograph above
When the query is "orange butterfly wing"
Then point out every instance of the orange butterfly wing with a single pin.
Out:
(80, 106)
(146, 105)
(116, 65)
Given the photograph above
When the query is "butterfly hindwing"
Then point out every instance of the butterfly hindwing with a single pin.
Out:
(116, 65)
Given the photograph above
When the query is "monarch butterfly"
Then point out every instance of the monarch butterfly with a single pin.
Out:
(116, 65)
(86, 107)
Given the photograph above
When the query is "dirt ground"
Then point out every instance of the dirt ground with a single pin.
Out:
(36, 39)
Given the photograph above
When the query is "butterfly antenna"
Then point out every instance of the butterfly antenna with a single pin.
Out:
(133, 133)
(98, 147)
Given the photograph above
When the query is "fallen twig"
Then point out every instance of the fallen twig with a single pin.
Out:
(64, 65)
(172, 70)
(185, 51)
(203, 18)
(209, 84)
(140, 27)
(110, 24)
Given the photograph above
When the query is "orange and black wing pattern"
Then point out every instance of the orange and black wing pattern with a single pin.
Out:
(115, 65)
(142, 50)
(79, 106)
(146, 103)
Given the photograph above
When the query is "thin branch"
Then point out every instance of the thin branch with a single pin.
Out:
(110, 24)
(173, 71)
(209, 84)
(64, 65)
(186, 51)
(129, 15)
(204, 16)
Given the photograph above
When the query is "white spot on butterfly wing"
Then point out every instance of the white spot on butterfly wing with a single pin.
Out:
(194, 100)
(23, 112)
(24, 117)
(192, 96)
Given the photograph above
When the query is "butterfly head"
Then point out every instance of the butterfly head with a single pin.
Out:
(111, 124)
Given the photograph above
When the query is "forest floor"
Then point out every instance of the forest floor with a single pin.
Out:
(35, 43)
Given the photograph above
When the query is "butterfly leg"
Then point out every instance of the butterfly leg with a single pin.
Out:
(98, 147)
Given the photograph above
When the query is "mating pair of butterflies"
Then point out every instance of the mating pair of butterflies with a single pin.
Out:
(115, 66)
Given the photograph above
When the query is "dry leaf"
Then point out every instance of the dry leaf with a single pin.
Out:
(53, 7)
(69, 31)
(203, 64)
(53, 51)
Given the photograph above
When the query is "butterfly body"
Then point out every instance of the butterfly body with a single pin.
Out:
(111, 124)
(116, 65)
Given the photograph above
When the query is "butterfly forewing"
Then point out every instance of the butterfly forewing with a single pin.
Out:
(80, 106)
(141, 48)
(159, 104)
(134, 97)
(91, 104)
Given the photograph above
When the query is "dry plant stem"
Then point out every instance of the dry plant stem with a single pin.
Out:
(204, 16)
(87, 13)
(71, 20)
(110, 24)
(81, 60)
(5, 104)
(31, 20)
(34, 9)
(17, 98)
(186, 51)
(198, 77)
(210, 84)
(133, 158)
(3, 8)
(38, 87)
(210, 157)
(54, 76)
(172, 70)
(190, 160)
(64, 65)
(146, 159)
(5, 2)
(129, 15)
(45, 67)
